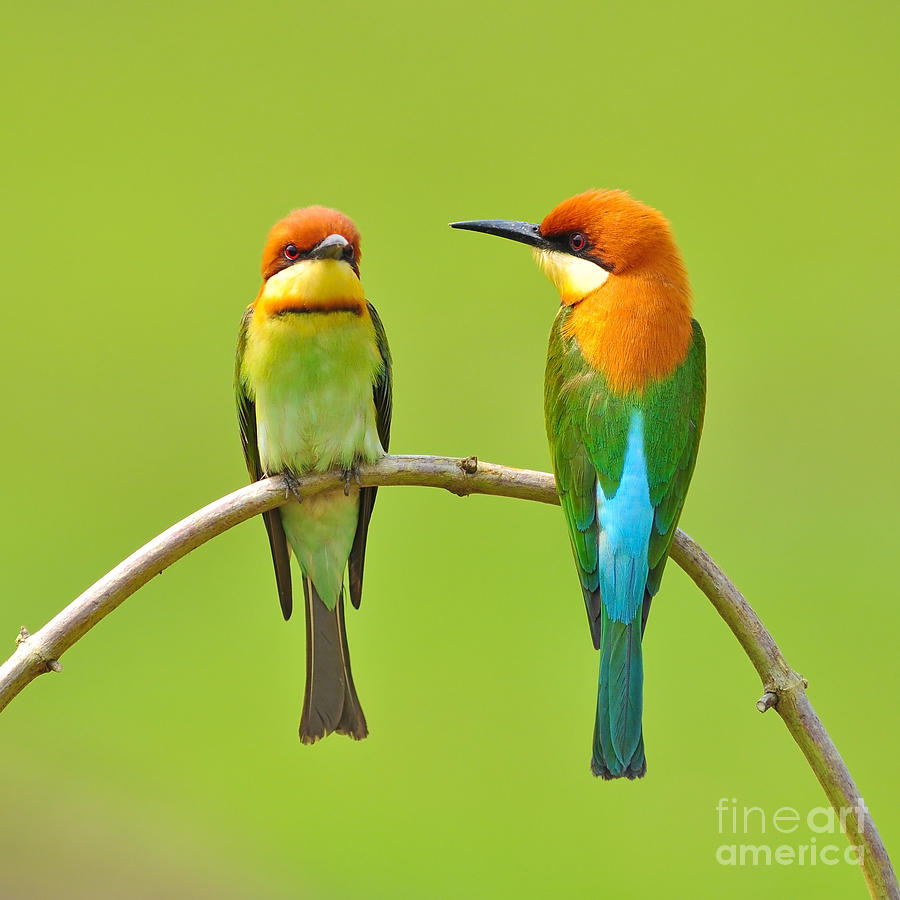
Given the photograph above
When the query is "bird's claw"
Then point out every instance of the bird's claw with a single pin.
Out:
(292, 486)
(351, 473)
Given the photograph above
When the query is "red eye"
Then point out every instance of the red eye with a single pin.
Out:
(291, 252)
(578, 242)
(349, 252)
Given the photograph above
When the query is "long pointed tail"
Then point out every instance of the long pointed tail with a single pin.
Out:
(329, 702)
(618, 739)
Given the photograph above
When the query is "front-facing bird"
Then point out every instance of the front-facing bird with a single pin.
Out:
(313, 386)
(624, 397)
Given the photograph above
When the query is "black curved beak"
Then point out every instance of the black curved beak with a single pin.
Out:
(523, 232)
(332, 247)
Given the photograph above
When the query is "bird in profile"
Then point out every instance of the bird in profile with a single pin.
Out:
(624, 398)
(313, 388)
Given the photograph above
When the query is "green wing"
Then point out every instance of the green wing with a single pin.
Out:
(587, 428)
(246, 410)
(381, 394)
(571, 392)
(672, 439)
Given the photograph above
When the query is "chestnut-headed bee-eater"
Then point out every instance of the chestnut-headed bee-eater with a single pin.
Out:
(624, 397)
(313, 387)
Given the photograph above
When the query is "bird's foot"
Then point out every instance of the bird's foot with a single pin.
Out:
(292, 486)
(351, 474)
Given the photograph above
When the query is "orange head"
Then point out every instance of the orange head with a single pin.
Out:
(314, 232)
(310, 264)
(614, 261)
(595, 235)
(618, 234)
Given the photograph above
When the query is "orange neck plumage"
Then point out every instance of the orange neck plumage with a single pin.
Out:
(634, 329)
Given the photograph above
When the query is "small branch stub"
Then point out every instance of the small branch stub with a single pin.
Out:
(23, 641)
(469, 465)
(767, 701)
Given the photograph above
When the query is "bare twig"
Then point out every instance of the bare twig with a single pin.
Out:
(784, 689)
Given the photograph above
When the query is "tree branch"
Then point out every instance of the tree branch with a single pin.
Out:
(783, 688)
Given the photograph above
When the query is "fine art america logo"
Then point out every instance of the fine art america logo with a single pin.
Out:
(788, 837)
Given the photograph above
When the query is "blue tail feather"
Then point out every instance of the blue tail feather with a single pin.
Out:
(626, 521)
(618, 738)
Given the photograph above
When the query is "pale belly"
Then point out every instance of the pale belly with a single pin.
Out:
(312, 385)
(311, 376)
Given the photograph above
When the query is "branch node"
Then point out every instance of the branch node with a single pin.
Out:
(54, 665)
(23, 635)
(469, 465)
(767, 701)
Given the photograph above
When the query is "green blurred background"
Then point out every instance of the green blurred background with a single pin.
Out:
(148, 148)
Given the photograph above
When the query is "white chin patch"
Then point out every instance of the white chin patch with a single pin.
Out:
(572, 275)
